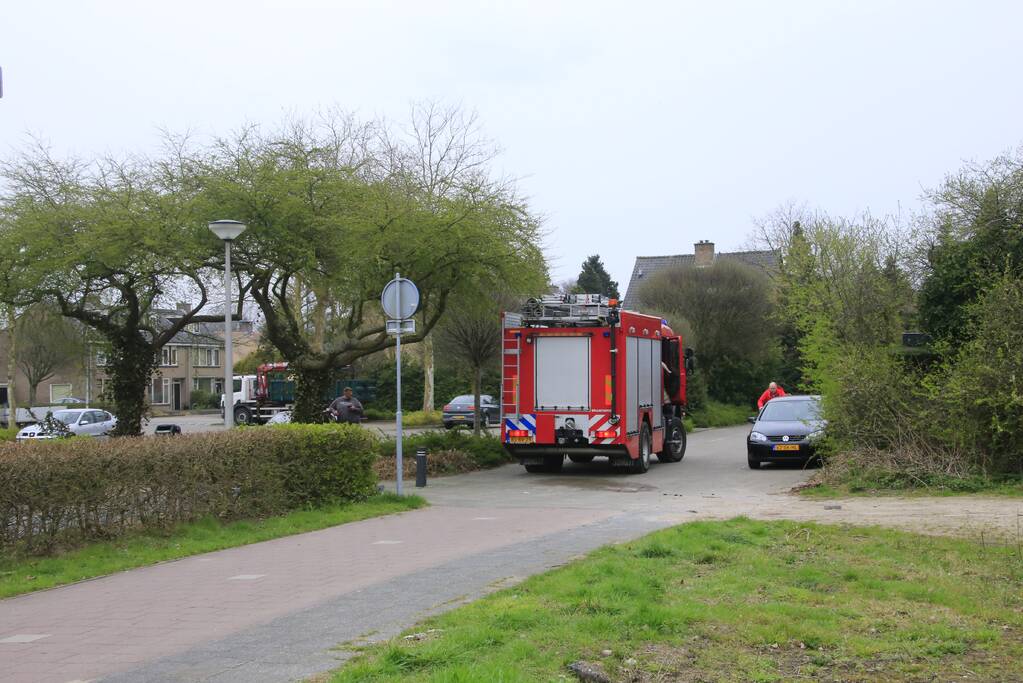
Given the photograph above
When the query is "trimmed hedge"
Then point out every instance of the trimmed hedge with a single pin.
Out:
(81, 489)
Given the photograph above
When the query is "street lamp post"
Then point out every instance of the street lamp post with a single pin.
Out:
(228, 231)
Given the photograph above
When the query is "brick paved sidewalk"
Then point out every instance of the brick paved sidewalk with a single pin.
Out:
(100, 627)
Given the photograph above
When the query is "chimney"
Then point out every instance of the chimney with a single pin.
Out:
(704, 251)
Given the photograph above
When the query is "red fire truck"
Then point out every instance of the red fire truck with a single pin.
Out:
(583, 378)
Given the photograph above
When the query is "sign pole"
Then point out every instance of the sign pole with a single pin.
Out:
(394, 305)
(397, 415)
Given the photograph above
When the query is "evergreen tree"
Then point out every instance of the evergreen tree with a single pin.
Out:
(973, 249)
(594, 279)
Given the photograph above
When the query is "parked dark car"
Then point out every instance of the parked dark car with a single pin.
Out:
(460, 411)
(787, 429)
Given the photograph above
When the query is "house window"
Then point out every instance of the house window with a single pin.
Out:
(169, 356)
(206, 357)
(3, 394)
(59, 391)
(102, 385)
(202, 384)
(160, 391)
(102, 360)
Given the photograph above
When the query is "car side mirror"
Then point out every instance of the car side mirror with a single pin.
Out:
(752, 419)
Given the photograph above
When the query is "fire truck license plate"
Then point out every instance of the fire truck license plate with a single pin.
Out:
(521, 439)
(787, 447)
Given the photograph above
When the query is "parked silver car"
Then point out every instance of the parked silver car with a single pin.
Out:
(79, 422)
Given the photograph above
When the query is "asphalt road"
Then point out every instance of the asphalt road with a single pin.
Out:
(276, 611)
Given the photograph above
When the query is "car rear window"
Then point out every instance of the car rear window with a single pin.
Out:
(463, 399)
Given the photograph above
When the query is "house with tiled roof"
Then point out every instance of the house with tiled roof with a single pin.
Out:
(703, 255)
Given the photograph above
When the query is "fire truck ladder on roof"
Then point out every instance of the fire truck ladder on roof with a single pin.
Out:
(572, 310)
(510, 359)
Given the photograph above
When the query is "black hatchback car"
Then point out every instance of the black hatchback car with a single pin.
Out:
(786, 430)
(461, 411)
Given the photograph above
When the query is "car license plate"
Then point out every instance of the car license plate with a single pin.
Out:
(521, 439)
(787, 447)
(459, 417)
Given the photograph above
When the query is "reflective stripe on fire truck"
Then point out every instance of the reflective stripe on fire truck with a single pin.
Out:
(527, 422)
(601, 422)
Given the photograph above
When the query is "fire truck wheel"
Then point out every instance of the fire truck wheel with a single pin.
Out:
(641, 464)
(674, 442)
(581, 458)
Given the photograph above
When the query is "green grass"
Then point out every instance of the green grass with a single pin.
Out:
(20, 574)
(944, 486)
(714, 414)
(736, 601)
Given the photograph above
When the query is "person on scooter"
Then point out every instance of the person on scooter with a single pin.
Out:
(773, 391)
(346, 408)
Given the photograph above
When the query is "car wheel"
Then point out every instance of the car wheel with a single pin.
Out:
(753, 462)
(581, 458)
(674, 442)
(641, 464)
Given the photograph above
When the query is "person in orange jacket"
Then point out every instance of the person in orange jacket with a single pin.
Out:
(773, 391)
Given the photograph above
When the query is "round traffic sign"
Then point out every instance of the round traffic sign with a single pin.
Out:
(403, 290)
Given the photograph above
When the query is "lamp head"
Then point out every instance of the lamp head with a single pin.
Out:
(227, 230)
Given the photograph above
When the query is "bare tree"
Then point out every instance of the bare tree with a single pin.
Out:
(442, 154)
(46, 342)
(471, 333)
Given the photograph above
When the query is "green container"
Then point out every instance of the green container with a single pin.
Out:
(281, 389)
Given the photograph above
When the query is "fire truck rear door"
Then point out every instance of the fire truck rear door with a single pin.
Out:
(643, 380)
(562, 373)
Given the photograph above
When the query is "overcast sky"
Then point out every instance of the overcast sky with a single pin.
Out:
(637, 128)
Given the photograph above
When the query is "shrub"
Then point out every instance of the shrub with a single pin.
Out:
(437, 463)
(420, 418)
(482, 451)
(80, 489)
(715, 414)
(205, 399)
(896, 423)
(377, 414)
(8, 434)
(412, 418)
(983, 388)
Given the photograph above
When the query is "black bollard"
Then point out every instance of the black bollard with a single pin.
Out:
(420, 468)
